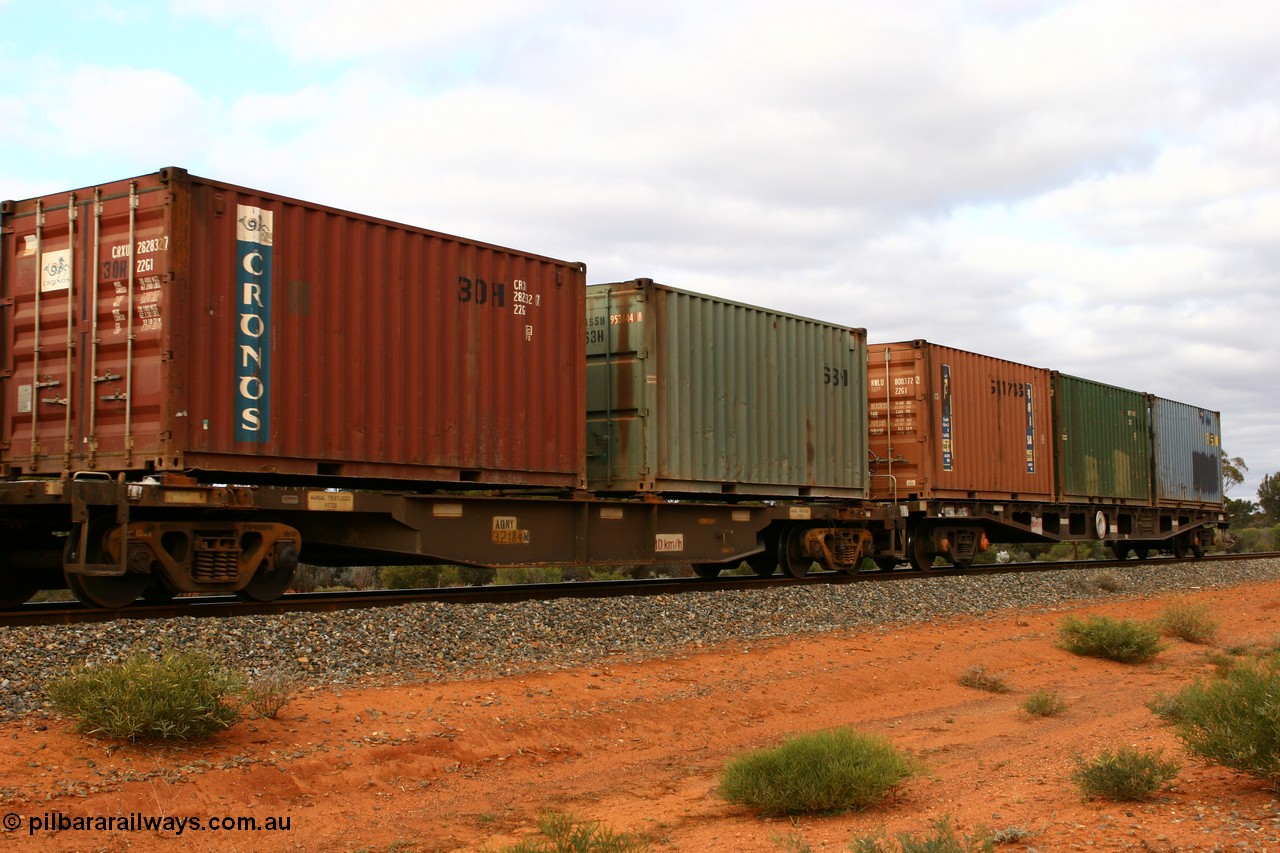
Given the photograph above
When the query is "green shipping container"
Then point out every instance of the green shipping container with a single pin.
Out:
(687, 393)
(1103, 436)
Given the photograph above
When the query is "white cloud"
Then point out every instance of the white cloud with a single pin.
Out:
(1089, 185)
(379, 31)
(136, 118)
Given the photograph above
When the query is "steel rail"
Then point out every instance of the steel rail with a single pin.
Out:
(227, 606)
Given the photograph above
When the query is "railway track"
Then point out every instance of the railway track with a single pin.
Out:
(228, 606)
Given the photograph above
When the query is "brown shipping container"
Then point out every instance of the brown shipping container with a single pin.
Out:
(175, 323)
(946, 423)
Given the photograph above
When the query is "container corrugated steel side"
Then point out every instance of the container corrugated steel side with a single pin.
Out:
(1188, 454)
(1103, 436)
(171, 322)
(947, 423)
(691, 393)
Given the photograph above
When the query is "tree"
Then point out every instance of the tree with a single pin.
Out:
(1241, 513)
(1269, 497)
(1233, 470)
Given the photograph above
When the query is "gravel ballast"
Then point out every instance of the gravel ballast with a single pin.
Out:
(433, 641)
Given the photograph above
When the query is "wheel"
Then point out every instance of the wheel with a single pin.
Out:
(1186, 545)
(1121, 550)
(1141, 551)
(268, 583)
(920, 552)
(763, 564)
(790, 557)
(886, 564)
(109, 591)
(707, 571)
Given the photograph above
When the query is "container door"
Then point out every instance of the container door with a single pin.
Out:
(82, 285)
(899, 431)
(618, 396)
(44, 245)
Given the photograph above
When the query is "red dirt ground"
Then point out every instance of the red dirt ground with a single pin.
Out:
(638, 745)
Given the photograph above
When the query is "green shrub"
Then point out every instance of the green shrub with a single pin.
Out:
(792, 843)
(942, 839)
(979, 678)
(475, 575)
(562, 833)
(1126, 774)
(828, 771)
(1121, 640)
(1253, 539)
(1070, 551)
(1252, 648)
(1166, 706)
(1191, 622)
(1096, 582)
(307, 578)
(1044, 703)
(266, 694)
(420, 577)
(53, 595)
(1107, 581)
(608, 573)
(182, 695)
(1011, 835)
(1233, 720)
(529, 574)
(1223, 662)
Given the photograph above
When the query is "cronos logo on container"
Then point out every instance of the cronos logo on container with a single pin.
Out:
(253, 324)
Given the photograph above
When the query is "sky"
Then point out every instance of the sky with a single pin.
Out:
(1091, 186)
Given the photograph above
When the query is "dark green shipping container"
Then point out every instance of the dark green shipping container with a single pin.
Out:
(688, 393)
(1103, 436)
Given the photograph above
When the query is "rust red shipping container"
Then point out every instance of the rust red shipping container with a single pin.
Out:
(175, 323)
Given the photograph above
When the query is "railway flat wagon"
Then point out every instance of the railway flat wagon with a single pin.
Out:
(172, 323)
(1103, 442)
(689, 393)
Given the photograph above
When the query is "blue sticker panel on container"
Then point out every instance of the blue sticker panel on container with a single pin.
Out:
(948, 458)
(253, 324)
(1031, 434)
